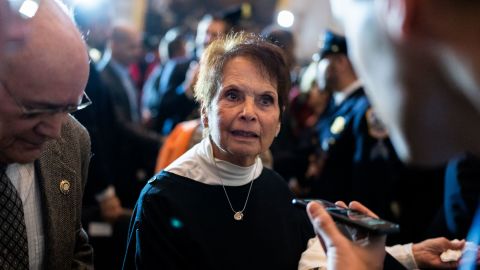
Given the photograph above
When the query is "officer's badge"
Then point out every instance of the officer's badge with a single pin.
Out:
(376, 128)
(338, 125)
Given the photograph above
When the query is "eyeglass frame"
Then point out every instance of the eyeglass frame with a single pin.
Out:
(35, 112)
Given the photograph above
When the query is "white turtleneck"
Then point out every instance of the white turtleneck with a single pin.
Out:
(197, 164)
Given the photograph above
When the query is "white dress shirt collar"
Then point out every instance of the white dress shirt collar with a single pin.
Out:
(342, 95)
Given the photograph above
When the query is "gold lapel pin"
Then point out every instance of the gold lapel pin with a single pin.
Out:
(64, 187)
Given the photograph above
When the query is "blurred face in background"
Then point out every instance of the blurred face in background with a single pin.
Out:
(215, 29)
(327, 73)
(126, 45)
(207, 31)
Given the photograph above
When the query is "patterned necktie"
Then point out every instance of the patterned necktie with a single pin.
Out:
(13, 234)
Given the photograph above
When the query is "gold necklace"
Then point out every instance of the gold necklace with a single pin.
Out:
(237, 215)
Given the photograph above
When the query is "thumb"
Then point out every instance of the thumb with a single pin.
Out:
(456, 244)
(324, 226)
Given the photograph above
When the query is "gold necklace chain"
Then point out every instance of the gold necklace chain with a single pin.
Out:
(237, 215)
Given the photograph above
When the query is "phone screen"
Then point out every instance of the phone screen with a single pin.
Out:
(354, 218)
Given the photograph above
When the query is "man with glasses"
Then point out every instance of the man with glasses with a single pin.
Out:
(44, 152)
(421, 64)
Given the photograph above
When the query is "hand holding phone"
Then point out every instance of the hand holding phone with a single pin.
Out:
(353, 218)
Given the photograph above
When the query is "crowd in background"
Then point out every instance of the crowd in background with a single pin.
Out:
(331, 144)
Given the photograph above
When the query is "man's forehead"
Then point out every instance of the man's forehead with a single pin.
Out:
(47, 92)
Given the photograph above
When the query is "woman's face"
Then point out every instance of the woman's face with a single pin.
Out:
(244, 116)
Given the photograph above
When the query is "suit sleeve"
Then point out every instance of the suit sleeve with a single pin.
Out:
(83, 253)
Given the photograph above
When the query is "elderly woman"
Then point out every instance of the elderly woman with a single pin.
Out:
(216, 206)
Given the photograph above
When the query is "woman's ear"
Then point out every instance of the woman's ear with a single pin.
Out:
(278, 129)
(204, 116)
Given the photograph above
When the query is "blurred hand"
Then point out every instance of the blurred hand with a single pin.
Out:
(111, 209)
(427, 253)
(341, 252)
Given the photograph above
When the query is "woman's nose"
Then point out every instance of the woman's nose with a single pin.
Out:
(248, 112)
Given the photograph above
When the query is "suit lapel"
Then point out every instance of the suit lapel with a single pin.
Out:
(55, 178)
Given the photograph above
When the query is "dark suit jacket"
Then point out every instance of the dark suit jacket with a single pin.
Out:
(135, 147)
(164, 95)
(67, 158)
(97, 119)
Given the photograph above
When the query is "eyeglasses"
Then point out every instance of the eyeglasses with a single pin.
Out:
(25, 8)
(31, 112)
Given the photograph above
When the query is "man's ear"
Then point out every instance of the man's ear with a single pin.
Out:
(399, 17)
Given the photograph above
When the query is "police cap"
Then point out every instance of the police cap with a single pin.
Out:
(333, 43)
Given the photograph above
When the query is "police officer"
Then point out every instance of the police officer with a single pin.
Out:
(355, 158)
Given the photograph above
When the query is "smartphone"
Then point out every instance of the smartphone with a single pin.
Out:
(353, 218)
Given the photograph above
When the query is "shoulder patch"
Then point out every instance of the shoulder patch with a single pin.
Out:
(376, 128)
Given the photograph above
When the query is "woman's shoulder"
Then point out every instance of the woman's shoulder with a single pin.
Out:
(272, 179)
(161, 183)
(271, 175)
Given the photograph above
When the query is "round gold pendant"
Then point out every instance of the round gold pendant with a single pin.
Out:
(238, 216)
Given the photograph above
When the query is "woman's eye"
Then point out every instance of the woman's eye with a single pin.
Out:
(266, 100)
(231, 95)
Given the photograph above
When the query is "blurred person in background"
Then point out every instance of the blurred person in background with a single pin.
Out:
(134, 145)
(149, 59)
(310, 106)
(102, 207)
(355, 159)
(164, 78)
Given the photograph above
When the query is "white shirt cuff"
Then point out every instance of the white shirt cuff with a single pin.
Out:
(404, 255)
(313, 257)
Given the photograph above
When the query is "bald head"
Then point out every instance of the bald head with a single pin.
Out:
(125, 44)
(54, 56)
